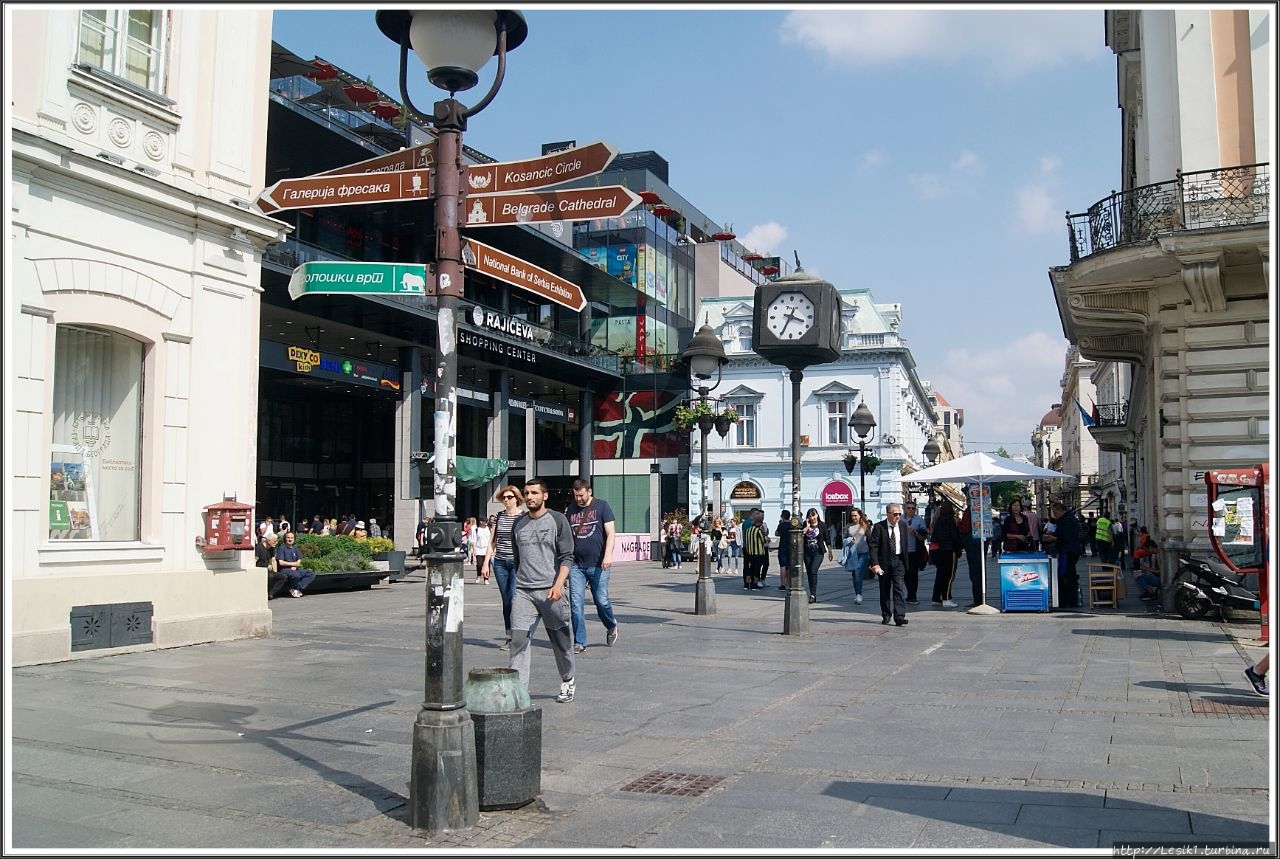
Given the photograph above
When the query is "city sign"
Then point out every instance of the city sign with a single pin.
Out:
(414, 158)
(563, 166)
(516, 272)
(574, 204)
(316, 191)
(365, 278)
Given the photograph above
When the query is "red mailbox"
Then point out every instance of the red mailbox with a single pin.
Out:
(227, 525)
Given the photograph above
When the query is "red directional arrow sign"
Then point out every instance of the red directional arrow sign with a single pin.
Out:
(346, 189)
(574, 204)
(515, 271)
(413, 158)
(554, 169)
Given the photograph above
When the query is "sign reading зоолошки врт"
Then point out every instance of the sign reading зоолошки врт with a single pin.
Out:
(364, 278)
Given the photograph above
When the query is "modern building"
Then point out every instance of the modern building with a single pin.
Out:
(752, 465)
(1168, 289)
(134, 305)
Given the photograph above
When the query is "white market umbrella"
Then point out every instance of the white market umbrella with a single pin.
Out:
(977, 468)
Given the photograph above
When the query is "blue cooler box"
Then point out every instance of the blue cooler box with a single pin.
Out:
(1024, 582)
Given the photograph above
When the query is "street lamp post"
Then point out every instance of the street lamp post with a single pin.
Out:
(930, 452)
(704, 355)
(863, 422)
(453, 45)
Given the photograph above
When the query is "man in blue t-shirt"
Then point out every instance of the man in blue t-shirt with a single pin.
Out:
(592, 522)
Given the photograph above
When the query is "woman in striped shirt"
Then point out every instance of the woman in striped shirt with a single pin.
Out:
(500, 558)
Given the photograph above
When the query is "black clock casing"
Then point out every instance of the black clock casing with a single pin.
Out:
(818, 345)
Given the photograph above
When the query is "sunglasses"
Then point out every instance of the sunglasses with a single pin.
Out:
(509, 496)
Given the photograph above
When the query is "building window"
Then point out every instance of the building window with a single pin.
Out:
(837, 422)
(95, 466)
(127, 43)
(744, 431)
(744, 338)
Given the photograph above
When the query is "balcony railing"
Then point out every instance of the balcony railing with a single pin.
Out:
(1112, 414)
(1226, 197)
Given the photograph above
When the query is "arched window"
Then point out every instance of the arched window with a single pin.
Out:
(95, 464)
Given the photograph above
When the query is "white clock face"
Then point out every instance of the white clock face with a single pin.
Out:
(790, 316)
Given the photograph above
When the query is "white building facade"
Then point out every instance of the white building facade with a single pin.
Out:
(132, 325)
(1169, 285)
(752, 465)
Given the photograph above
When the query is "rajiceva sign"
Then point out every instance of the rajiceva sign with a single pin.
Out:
(837, 494)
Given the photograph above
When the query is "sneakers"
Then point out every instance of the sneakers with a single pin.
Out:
(857, 599)
(611, 636)
(566, 691)
(506, 645)
(1257, 681)
(913, 602)
(950, 604)
(579, 648)
(295, 593)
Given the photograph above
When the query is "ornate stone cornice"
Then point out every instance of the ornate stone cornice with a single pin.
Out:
(1115, 347)
(1202, 277)
(1125, 309)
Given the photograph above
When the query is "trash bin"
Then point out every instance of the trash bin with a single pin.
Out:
(508, 731)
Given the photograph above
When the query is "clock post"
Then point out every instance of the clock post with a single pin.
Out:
(796, 323)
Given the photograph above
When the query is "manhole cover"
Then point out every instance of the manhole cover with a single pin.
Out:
(1215, 707)
(674, 784)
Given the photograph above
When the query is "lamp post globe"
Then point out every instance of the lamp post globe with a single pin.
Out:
(863, 422)
(454, 44)
(705, 356)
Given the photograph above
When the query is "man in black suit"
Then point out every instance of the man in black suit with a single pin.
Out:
(888, 543)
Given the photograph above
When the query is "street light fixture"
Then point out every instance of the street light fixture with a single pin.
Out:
(705, 356)
(863, 422)
(931, 452)
(454, 45)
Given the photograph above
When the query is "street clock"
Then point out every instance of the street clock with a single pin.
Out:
(797, 321)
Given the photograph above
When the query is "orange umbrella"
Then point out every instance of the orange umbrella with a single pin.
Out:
(385, 109)
(361, 93)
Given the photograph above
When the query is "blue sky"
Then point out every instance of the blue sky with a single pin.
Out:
(926, 155)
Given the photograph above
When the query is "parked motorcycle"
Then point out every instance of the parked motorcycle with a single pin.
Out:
(1205, 585)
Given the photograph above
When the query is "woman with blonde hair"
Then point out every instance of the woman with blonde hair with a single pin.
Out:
(500, 559)
(857, 554)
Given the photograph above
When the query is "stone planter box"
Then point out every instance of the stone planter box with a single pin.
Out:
(392, 562)
(355, 580)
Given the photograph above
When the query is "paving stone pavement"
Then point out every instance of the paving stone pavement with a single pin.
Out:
(1062, 731)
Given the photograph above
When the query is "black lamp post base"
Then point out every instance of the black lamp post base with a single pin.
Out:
(704, 599)
(443, 787)
(795, 618)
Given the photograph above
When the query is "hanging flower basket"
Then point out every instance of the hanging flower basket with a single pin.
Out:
(701, 414)
(850, 462)
(870, 463)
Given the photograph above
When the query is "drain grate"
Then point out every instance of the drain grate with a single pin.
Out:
(673, 784)
(1253, 708)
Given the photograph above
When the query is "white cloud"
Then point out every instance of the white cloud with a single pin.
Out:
(1004, 389)
(764, 238)
(872, 159)
(926, 184)
(1034, 207)
(1002, 43)
(968, 162)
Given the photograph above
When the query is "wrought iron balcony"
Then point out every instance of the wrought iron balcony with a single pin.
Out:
(1112, 414)
(1226, 197)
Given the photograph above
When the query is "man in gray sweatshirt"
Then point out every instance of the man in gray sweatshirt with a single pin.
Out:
(542, 541)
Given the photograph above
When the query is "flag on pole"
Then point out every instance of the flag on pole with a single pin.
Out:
(1085, 418)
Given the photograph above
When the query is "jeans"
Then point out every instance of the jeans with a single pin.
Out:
(1148, 579)
(299, 578)
(598, 577)
(673, 553)
(505, 572)
(733, 553)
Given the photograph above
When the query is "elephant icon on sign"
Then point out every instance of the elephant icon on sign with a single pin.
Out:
(411, 282)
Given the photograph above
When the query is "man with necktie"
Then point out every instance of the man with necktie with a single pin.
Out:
(888, 543)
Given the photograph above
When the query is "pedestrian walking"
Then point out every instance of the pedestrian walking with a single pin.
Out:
(542, 541)
(783, 533)
(917, 549)
(813, 539)
(732, 534)
(857, 556)
(502, 561)
(481, 538)
(1257, 675)
(593, 531)
(945, 536)
(755, 550)
(889, 564)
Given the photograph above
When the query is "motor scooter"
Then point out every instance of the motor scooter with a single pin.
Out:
(1204, 585)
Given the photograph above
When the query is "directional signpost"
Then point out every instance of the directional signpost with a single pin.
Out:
(527, 207)
(515, 271)
(314, 191)
(365, 278)
(413, 158)
(563, 166)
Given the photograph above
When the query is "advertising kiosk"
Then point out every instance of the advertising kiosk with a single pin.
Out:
(1024, 581)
